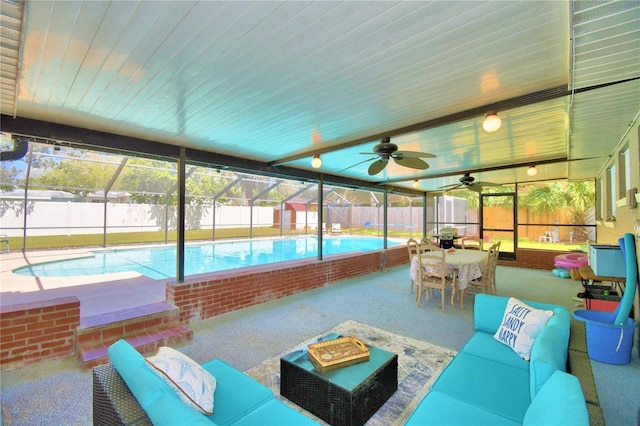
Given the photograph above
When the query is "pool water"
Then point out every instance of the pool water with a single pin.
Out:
(160, 262)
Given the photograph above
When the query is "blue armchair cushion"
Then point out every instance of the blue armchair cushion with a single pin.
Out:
(484, 345)
(487, 384)
(275, 413)
(520, 326)
(236, 395)
(145, 386)
(440, 409)
(547, 356)
(560, 402)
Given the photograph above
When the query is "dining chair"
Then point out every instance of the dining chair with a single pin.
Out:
(494, 252)
(413, 250)
(426, 246)
(471, 243)
(480, 284)
(427, 240)
(486, 283)
(434, 274)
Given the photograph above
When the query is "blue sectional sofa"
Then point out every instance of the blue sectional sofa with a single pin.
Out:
(488, 383)
(239, 399)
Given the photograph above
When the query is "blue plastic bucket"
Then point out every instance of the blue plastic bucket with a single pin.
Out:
(608, 343)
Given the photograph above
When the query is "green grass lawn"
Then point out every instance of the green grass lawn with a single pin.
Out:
(131, 238)
(532, 244)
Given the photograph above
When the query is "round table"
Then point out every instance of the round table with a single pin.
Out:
(467, 263)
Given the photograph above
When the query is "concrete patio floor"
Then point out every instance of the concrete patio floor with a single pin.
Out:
(97, 293)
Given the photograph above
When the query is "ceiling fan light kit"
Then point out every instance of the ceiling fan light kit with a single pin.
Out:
(469, 182)
(316, 163)
(491, 122)
(386, 150)
(532, 171)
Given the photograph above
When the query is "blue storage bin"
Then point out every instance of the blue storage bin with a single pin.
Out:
(608, 343)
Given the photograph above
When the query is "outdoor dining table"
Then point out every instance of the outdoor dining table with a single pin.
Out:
(468, 265)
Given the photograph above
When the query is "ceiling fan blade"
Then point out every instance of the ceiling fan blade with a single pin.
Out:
(414, 154)
(377, 166)
(487, 184)
(450, 187)
(358, 163)
(455, 187)
(475, 187)
(412, 163)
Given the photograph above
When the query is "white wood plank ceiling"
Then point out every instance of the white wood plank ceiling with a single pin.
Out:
(278, 82)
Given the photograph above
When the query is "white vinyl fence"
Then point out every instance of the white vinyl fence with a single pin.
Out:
(76, 218)
(67, 218)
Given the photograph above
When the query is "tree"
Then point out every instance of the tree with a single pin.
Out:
(577, 198)
(580, 198)
(9, 176)
(77, 172)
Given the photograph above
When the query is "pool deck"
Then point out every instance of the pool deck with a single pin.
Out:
(98, 294)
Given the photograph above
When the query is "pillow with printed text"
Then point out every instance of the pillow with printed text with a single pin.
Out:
(520, 326)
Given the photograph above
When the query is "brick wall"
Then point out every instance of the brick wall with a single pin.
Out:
(534, 259)
(209, 295)
(32, 332)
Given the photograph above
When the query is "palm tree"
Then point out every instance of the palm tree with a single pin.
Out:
(577, 198)
(580, 198)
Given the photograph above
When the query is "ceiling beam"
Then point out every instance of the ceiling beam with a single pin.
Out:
(76, 137)
(482, 169)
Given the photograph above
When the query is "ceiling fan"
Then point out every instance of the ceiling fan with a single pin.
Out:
(386, 150)
(469, 182)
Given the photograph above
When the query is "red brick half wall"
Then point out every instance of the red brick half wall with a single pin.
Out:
(35, 331)
(536, 259)
(205, 296)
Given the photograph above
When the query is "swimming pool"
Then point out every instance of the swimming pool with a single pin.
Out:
(160, 262)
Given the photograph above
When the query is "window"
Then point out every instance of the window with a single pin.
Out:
(600, 200)
(557, 215)
(624, 163)
(611, 192)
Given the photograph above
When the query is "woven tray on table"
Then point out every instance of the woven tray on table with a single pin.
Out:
(337, 353)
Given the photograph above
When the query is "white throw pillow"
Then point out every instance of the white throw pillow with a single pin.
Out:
(193, 384)
(520, 326)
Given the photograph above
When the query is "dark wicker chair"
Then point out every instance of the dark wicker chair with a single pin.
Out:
(113, 402)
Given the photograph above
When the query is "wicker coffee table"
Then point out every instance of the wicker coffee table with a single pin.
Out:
(346, 396)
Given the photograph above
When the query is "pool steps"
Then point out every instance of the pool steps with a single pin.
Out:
(145, 327)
